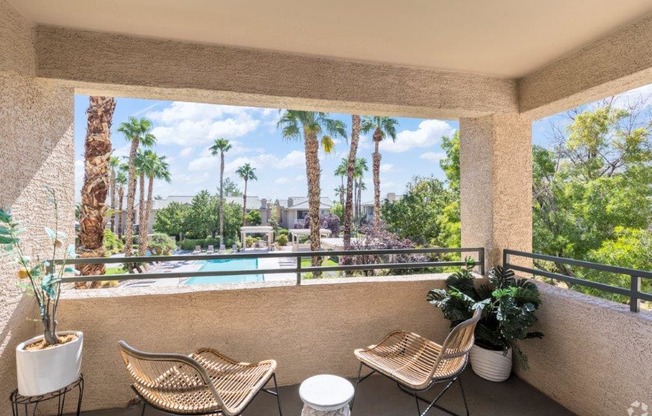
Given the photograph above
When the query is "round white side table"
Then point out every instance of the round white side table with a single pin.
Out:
(326, 395)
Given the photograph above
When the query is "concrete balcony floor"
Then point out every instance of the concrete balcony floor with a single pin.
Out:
(378, 396)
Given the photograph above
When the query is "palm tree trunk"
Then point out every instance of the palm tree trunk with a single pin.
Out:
(131, 193)
(121, 195)
(92, 219)
(221, 198)
(148, 209)
(142, 226)
(112, 184)
(348, 208)
(376, 170)
(244, 206)
(314, 191)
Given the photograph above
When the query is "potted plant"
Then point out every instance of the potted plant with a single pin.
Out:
(50, 361)
(509, 306)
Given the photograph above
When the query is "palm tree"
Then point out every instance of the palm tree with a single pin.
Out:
(340, 192)
(247, 173)
(136, 131)
(221, 146)
(359, 169)
(382, 127)
(142, 163)
(156, 168)
(114, 163)
(121, 181)
(310, 125)
(92, 220)
(341, 171)
(348, 207)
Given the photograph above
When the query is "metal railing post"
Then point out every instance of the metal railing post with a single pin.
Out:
(483, 268)
(635, 287)
(298, 270)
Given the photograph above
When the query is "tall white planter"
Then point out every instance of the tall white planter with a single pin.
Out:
(491, 365)
(44, 371)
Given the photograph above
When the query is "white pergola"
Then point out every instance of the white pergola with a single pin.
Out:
(305, 232)
(259, 229)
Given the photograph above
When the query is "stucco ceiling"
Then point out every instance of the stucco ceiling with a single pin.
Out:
(506, 38)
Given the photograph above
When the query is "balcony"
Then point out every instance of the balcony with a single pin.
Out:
(501, 66)
(312, 326)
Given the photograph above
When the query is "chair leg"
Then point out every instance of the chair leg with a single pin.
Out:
(466, 406)
(433, 403)
(355, 391)
(278, 396)
(142, 412)
(416, 398)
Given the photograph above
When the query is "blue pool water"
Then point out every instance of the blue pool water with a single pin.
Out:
(227, 265)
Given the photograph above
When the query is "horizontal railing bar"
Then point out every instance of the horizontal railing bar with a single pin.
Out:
(581, 263)
(218, 273)
(285, 254)
(569, 279)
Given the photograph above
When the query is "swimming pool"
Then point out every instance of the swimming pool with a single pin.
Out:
(227, 265)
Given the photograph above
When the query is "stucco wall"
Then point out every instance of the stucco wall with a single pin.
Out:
(308, 329)
(36, 149)
(16, 41)
(596, 356)
(496, 184)
(609, 66)
(241, 76)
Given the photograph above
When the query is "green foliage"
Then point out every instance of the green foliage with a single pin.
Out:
(283, 231)
(282, 239)
(253, 217)
(338, 210)
(509, 307)
(161, 244)
(416, 215)
(592, 194)
(171, 220)
(230, 188)
(112, 244)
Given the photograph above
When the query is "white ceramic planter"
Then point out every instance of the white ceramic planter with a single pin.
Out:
(48, 370)
(491, 365)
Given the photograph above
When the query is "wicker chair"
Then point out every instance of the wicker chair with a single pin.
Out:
(205, 382)
(417, 364)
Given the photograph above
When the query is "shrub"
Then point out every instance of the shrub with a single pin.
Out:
(250, 241)
(190, 243)
(283, 231)
(282, 240)
(112, 244)
(161, 244)
(332, 223)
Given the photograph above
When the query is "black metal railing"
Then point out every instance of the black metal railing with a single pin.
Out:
(634, 292)
(298, 269)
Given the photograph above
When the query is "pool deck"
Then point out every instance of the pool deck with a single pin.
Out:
(194, 265)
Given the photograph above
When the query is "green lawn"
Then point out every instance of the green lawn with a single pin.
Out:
(115, 270)
(326, 262)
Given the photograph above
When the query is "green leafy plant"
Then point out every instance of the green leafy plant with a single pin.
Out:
(38, 277)
(112, 244)
(161, 244)
(509, 307)
(282, 239)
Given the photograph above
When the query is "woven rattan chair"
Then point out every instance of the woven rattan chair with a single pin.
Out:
(205, 382)
(417, 364)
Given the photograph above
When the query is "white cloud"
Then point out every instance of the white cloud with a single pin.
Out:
(282, 180)
(433, 156)
(260, 162)
(386, 167)
(186, 152)
(428, 134)
(192, 124)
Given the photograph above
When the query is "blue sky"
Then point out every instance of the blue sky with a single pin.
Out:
(186, 130)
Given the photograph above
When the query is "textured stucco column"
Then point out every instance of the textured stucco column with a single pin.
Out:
(36, 149)
(496, 183)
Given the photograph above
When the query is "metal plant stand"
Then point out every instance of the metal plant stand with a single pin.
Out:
(19, 402)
